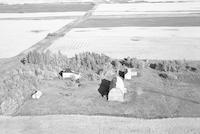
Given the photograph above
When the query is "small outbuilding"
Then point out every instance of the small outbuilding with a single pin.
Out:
(68, 73)
(36, 94)
(130, 73)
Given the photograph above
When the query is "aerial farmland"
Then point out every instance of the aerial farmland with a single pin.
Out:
(60, 58)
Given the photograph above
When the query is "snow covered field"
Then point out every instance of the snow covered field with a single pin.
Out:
(18, 35)
(140, 42)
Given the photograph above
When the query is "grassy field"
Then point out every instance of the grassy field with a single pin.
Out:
(159, 98)
(78, 124)
(172, 37)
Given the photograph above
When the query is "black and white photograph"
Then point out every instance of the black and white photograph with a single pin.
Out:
(99, 66)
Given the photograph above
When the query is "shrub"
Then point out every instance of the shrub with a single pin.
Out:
(132, 63)
(17, 86)
(190, 68)
(172, 66)
(84, 62)
(168, 76)
(9, 106)
(116, 64)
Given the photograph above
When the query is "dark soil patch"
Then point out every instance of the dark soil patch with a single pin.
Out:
(55, 7)
(141, 22)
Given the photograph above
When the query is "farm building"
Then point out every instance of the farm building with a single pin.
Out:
(117, 89)
(68, 73)
(130, 73)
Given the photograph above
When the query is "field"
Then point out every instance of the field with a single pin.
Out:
(44, 7)
(96, 124)
(24, 25)
(12, 2)
(18, 35)
(165, 43)
(165, 30)
(160, 98)
(141, 30)
(80, 1)
(128, 26)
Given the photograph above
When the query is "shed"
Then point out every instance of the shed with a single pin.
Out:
(130, 72)
(68, 73)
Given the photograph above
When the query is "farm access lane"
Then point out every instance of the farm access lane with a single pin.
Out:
(45, 43)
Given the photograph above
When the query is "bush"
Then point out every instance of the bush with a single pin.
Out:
(16, 87)
(116, 64)
(172, 66)
(190, 68)
(9, 106)
(132, 63)
(168, 76)
(84, 62)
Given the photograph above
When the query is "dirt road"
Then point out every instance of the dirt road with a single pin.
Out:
(46, 42)
(78, 124)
